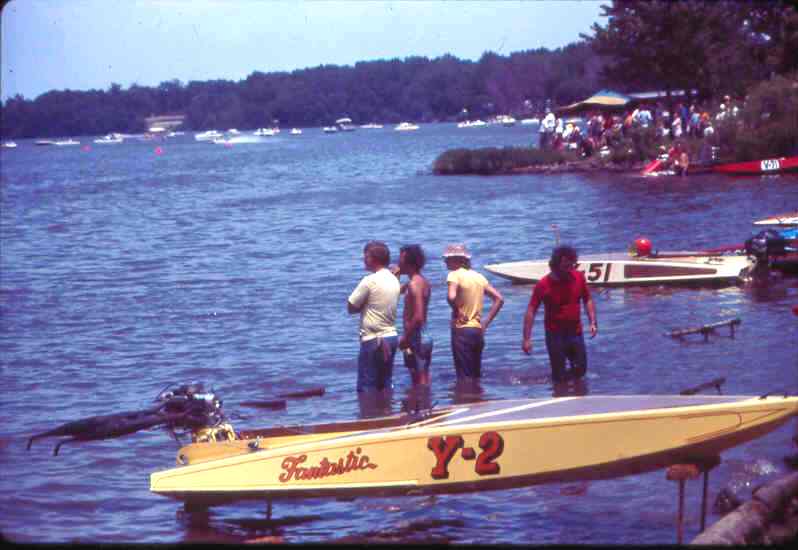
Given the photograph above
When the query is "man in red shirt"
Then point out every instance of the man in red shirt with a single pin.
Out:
(561, 291)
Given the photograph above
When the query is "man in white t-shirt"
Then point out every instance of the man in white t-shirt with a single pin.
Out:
(375, 298)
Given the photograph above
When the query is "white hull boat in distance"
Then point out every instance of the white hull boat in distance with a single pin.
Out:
(477, 446)
(790, 218)
(616, 269)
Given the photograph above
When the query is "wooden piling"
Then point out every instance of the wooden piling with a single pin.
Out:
(682, 473)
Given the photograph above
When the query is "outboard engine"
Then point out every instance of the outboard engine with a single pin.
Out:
(766, 244)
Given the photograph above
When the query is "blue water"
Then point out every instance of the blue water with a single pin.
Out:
(123, 270)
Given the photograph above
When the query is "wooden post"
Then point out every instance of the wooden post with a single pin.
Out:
(683, 472)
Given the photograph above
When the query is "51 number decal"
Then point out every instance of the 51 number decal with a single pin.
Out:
(445, 448)
(598, 272)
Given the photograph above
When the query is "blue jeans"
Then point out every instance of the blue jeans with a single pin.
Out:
(420, 356)
(467, 346)
(374, 372)
(562, 346)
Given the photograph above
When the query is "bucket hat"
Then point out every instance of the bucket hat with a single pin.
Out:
(456, 251)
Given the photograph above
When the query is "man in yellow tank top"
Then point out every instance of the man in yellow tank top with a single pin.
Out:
(466, 294)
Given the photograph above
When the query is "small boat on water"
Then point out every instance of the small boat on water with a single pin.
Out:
(265, 132)
(759, 167)
(472, 123)
(406, 127)
(616, 269)
(295, 132)
(344, 124)
(789, 218)
(330, 130)
(109, 139)
(208, 135)
(9, 144)
(60, 142)
(371, 126)
(781, 165)
(469, 447)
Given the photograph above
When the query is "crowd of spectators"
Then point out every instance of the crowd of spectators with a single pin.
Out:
(603, 129)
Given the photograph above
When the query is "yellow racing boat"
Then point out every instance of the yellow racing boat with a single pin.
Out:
(471, 447)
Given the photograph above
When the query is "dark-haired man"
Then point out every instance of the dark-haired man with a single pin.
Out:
(561, 291)
(414, 342)
(375, 299)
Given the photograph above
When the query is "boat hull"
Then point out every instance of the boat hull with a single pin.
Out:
(789, 218)
(485, 446)
(619, 269)
(759, 167)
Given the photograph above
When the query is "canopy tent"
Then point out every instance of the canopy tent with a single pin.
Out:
(603, 100)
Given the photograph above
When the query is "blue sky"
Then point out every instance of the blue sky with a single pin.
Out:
(86, 44)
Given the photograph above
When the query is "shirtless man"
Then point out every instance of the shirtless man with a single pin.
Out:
(414, 342)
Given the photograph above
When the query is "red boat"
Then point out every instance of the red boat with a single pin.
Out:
(759, 167)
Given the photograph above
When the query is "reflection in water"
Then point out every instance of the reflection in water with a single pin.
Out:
(418, 399)
(467, 390)
(570, 388)
(375, 403)
(201, 526)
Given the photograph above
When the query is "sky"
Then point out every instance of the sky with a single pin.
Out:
(90, 44)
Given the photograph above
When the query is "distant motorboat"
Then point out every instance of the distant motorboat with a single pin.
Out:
(64, 142)
(371, 126)
(330, 130)
(265, 132)
(208, 135)
(406, 127)
(109, 139)
(530, 121)
(233, 131)
(344, 124)
(505, 120)
(9, 145)
(471, 123)
(296, 132)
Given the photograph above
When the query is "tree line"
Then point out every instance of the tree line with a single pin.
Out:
(657, 45)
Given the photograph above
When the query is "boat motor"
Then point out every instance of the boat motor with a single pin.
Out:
(186, 408)
(766, 244)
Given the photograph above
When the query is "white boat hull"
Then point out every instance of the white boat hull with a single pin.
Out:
(790, 218)
(622, 269)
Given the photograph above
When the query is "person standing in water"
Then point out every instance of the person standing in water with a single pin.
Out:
(414, 342)
(561, 292)
(465, 295)
(375, 298)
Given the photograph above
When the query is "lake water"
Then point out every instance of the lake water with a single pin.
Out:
(128, 267)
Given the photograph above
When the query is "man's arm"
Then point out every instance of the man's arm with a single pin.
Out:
(591, 315)
(529, 321)
(414, 295)
(358, 299)
(451, 295)
(498, 302)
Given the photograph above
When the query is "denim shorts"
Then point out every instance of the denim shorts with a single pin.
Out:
(467, 346)
(420, 353)
(373, 371)
(566, 346)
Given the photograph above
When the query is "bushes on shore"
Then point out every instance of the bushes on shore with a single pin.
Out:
(495, 160)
